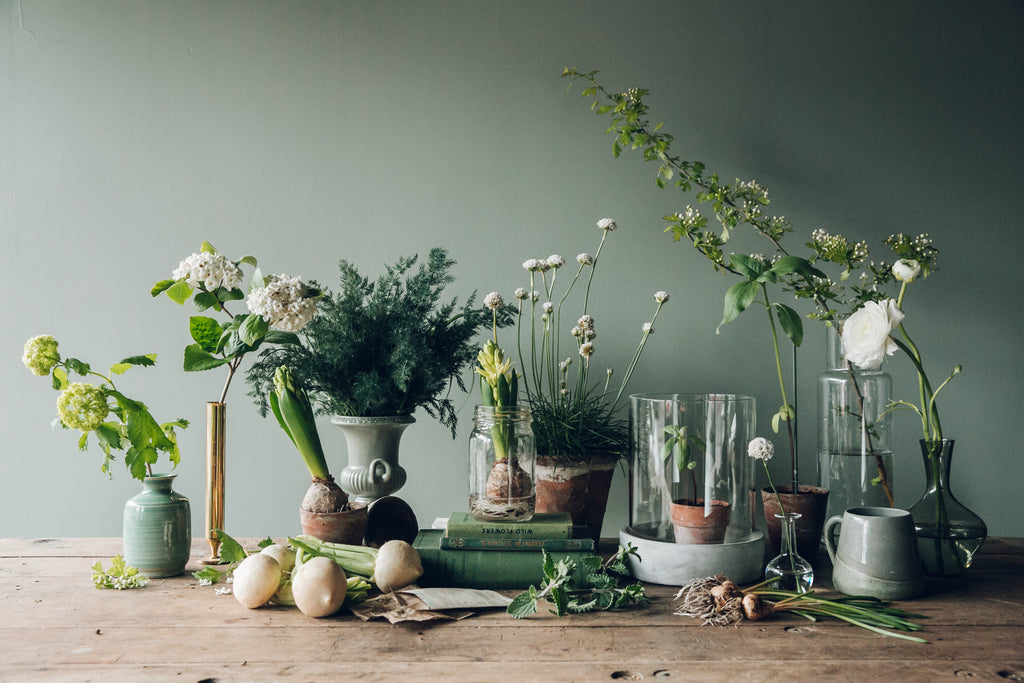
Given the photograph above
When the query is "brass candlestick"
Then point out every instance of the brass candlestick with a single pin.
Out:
(215, 437)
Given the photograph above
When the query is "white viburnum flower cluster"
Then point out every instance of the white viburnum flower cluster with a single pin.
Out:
(208, 270)
(760, 448)
(41, 354)
(866, 334)
(285, 302)
(82, 406)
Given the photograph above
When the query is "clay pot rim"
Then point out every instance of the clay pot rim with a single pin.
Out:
(802, 490)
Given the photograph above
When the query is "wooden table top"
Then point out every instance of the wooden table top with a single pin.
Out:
(56, 626)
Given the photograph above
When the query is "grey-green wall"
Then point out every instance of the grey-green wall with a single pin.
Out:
(304, 132)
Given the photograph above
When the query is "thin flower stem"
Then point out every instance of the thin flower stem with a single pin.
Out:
(782, 385)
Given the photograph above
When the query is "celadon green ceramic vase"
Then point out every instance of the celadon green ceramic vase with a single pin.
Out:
(157, 531)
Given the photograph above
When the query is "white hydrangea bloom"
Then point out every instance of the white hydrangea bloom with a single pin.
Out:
(209, 270)
(285, 303)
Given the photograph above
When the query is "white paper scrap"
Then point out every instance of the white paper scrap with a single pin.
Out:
(459, 598)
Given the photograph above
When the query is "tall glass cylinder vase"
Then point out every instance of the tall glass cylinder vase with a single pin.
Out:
(216, 427)
(854, 433)
(502, 458)
(948, 534)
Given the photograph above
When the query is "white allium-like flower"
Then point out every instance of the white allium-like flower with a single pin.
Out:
(648, 328)
(906, 270)
(547, 306)
(494, 301)
(576, 331)
(209, 270)
(585, 259)
(607, 224)
(535, 296)
(586, 349)
(586, 322)
(661, 297)
(285, 302)
(589, 334)
(532, 265)
(556, 261)
(41, 354)
(520, 293)
(761, 449)
(82, 406)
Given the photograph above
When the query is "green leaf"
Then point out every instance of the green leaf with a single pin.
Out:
(197, 360)
(253, 329)
(230, 549)
(207, 248)
(523, 605)
(205, 331)
(206, 300)
(281, 337)
(78, 366)
(145, 361)
(257, 281)
(161, 287)
(119, 368)
(791, 323)
(209, 574)
(798, 265)
(60, 379)
(737, 299)
(179, 292)
(109, 437)
(749, 267)
(251, 260)
(268, 541)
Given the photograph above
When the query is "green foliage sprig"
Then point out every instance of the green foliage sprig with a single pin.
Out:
(382, 348)
(572, 589)
(119, 577)
(85, 407)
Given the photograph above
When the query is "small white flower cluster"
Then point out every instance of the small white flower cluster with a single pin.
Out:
(751, 191)
(494, 301)
(690, 218)
(209, 270)
(761, 448)
(836, 246)
(585, 259)
(521, 294)
(120, 582)
(285, 302)
(555, 261)
(607, 224)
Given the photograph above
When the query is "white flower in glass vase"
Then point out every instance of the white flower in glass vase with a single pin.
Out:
(867, 333)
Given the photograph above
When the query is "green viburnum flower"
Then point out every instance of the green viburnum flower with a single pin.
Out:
(41, 354)
(82, 406)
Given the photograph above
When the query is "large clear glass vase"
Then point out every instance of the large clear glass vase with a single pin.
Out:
(948, 534)
(854, 433)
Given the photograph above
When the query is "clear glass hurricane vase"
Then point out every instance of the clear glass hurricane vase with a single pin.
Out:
(793, 572)
(948, 534)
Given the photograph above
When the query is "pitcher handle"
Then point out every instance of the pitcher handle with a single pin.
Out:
(830, 543)
(380, 471)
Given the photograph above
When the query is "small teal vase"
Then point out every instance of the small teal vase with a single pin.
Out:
(157, 529)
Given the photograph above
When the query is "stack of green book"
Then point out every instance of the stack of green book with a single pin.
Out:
(470, 553)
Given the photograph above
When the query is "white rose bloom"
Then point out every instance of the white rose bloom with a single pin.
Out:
(866, 340)
(906, 270)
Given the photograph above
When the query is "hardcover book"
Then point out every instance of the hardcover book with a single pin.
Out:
(552, 545)
(543, 525)
(494, 569)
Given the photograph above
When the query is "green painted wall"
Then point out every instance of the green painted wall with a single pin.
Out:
(305, 132)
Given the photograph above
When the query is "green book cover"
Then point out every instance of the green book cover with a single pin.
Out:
(552, 545)
(543, 525)
(493, 569)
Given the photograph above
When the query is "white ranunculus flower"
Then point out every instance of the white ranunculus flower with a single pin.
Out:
(906, 270)
(866, 334)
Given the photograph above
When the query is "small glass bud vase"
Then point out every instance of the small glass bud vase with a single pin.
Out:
(793, 572)
(502, 457)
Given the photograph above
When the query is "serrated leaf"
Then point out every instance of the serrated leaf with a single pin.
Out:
(230, 549)
(209, 574)
(268, 541)
(179, 292)
(120, 368)
(197, 360)
(791, 323)
(522, 606)
(75, 365)
(146, 360)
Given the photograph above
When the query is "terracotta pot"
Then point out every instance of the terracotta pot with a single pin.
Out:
(577, 486)
(811, 502)
(347, 527)
(692, 527)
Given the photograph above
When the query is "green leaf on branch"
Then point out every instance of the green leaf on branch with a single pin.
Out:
(230, 549)
(207, 248)
(206, 300)
(78, 366)
(179, 292)
(161, 287)
(60, 378)
(737, 299)
(197, 360)
(795, 264)
(205, 331)
(791, 323)
(253, 329)
(281, 337)
(145, 361)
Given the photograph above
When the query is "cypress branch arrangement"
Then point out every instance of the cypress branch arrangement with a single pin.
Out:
(385, 347)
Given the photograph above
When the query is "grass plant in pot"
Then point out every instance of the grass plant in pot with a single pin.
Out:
(375, 352)
(325, 511)
(157, 531)
(698, 521)
(580, 435)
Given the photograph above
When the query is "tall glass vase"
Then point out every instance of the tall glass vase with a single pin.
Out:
(854, 433)
(793, 573)
(948, 534)
(216, 426)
